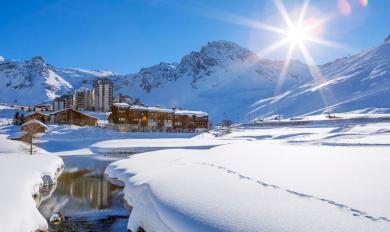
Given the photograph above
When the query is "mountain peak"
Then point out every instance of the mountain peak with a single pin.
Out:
(37, 60)
(387, 40)
(2, 59)
(223, 49)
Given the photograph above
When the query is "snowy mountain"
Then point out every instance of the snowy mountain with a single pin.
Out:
(357, 83)
(33, 81)
(224, 79)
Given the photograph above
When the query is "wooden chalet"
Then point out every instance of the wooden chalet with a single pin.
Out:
(160, 119)
(44, 118)
(73, 117)
(34, 126)
(156, 119)
(190, 121)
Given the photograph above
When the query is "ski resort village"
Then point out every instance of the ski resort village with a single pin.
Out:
(255, 116)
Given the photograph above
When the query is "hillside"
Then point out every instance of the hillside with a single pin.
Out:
(357, 83)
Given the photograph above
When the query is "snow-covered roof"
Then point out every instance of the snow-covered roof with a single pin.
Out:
(59, 111)
(159, 109)
(138, 107)
(34, 121)
(32, 113)
(191, 113)
(121, 105)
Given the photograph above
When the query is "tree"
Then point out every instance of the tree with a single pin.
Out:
(22, 119)
(227, 123)
(137, 101)
(16, 120)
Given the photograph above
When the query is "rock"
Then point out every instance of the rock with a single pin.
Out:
(47, 180)
(38, 60)
(57, 218)
(387, 39)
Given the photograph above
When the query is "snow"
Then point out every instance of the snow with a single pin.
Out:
(41, 113)
(223, 79)
(34, 121)
(121, 105)
(142, 145)
(139, 107)
(21, 176)
(209, 80)
(191, 113)
(159, 109)
(266, 178)
(81, 112)
(76, 140)
(347, 84)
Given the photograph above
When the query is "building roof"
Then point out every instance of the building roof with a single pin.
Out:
(34, 121)
(42, 105)
(138, 107)
(160, 109)
(191, 113)
(36, 113)
(121, 105)
(82, 89)
(59, 111)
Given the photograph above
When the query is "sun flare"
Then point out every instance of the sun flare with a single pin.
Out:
(296, 35)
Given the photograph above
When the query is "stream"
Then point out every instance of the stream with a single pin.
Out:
(88, 201)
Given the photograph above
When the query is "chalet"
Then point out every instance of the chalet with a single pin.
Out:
(73, 117)
(44, 118)
(134, 117)
(22, 108)
(190, 121)
(139, 118)
(34, 126)
(42, 107)
(160, 119)
(156, 119)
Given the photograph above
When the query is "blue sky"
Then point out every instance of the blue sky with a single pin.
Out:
(126, 35)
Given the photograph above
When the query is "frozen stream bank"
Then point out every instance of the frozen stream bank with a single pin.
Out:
(87, 200)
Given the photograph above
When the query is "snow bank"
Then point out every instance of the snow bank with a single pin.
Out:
(143, 145)
(258, 186)
(21, 176)
(75, 139)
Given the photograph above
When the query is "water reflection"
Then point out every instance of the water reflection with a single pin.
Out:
(95, 190)
(88, 201)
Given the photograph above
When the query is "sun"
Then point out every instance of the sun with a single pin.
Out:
(296, 35)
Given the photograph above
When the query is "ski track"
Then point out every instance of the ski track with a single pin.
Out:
(354, 212)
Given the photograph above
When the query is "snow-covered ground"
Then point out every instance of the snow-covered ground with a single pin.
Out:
(323, 175)
(68, 140)
(280, 178)
(143, 145)
(21, 177)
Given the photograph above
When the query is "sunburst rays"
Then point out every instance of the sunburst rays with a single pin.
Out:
(296, 35)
